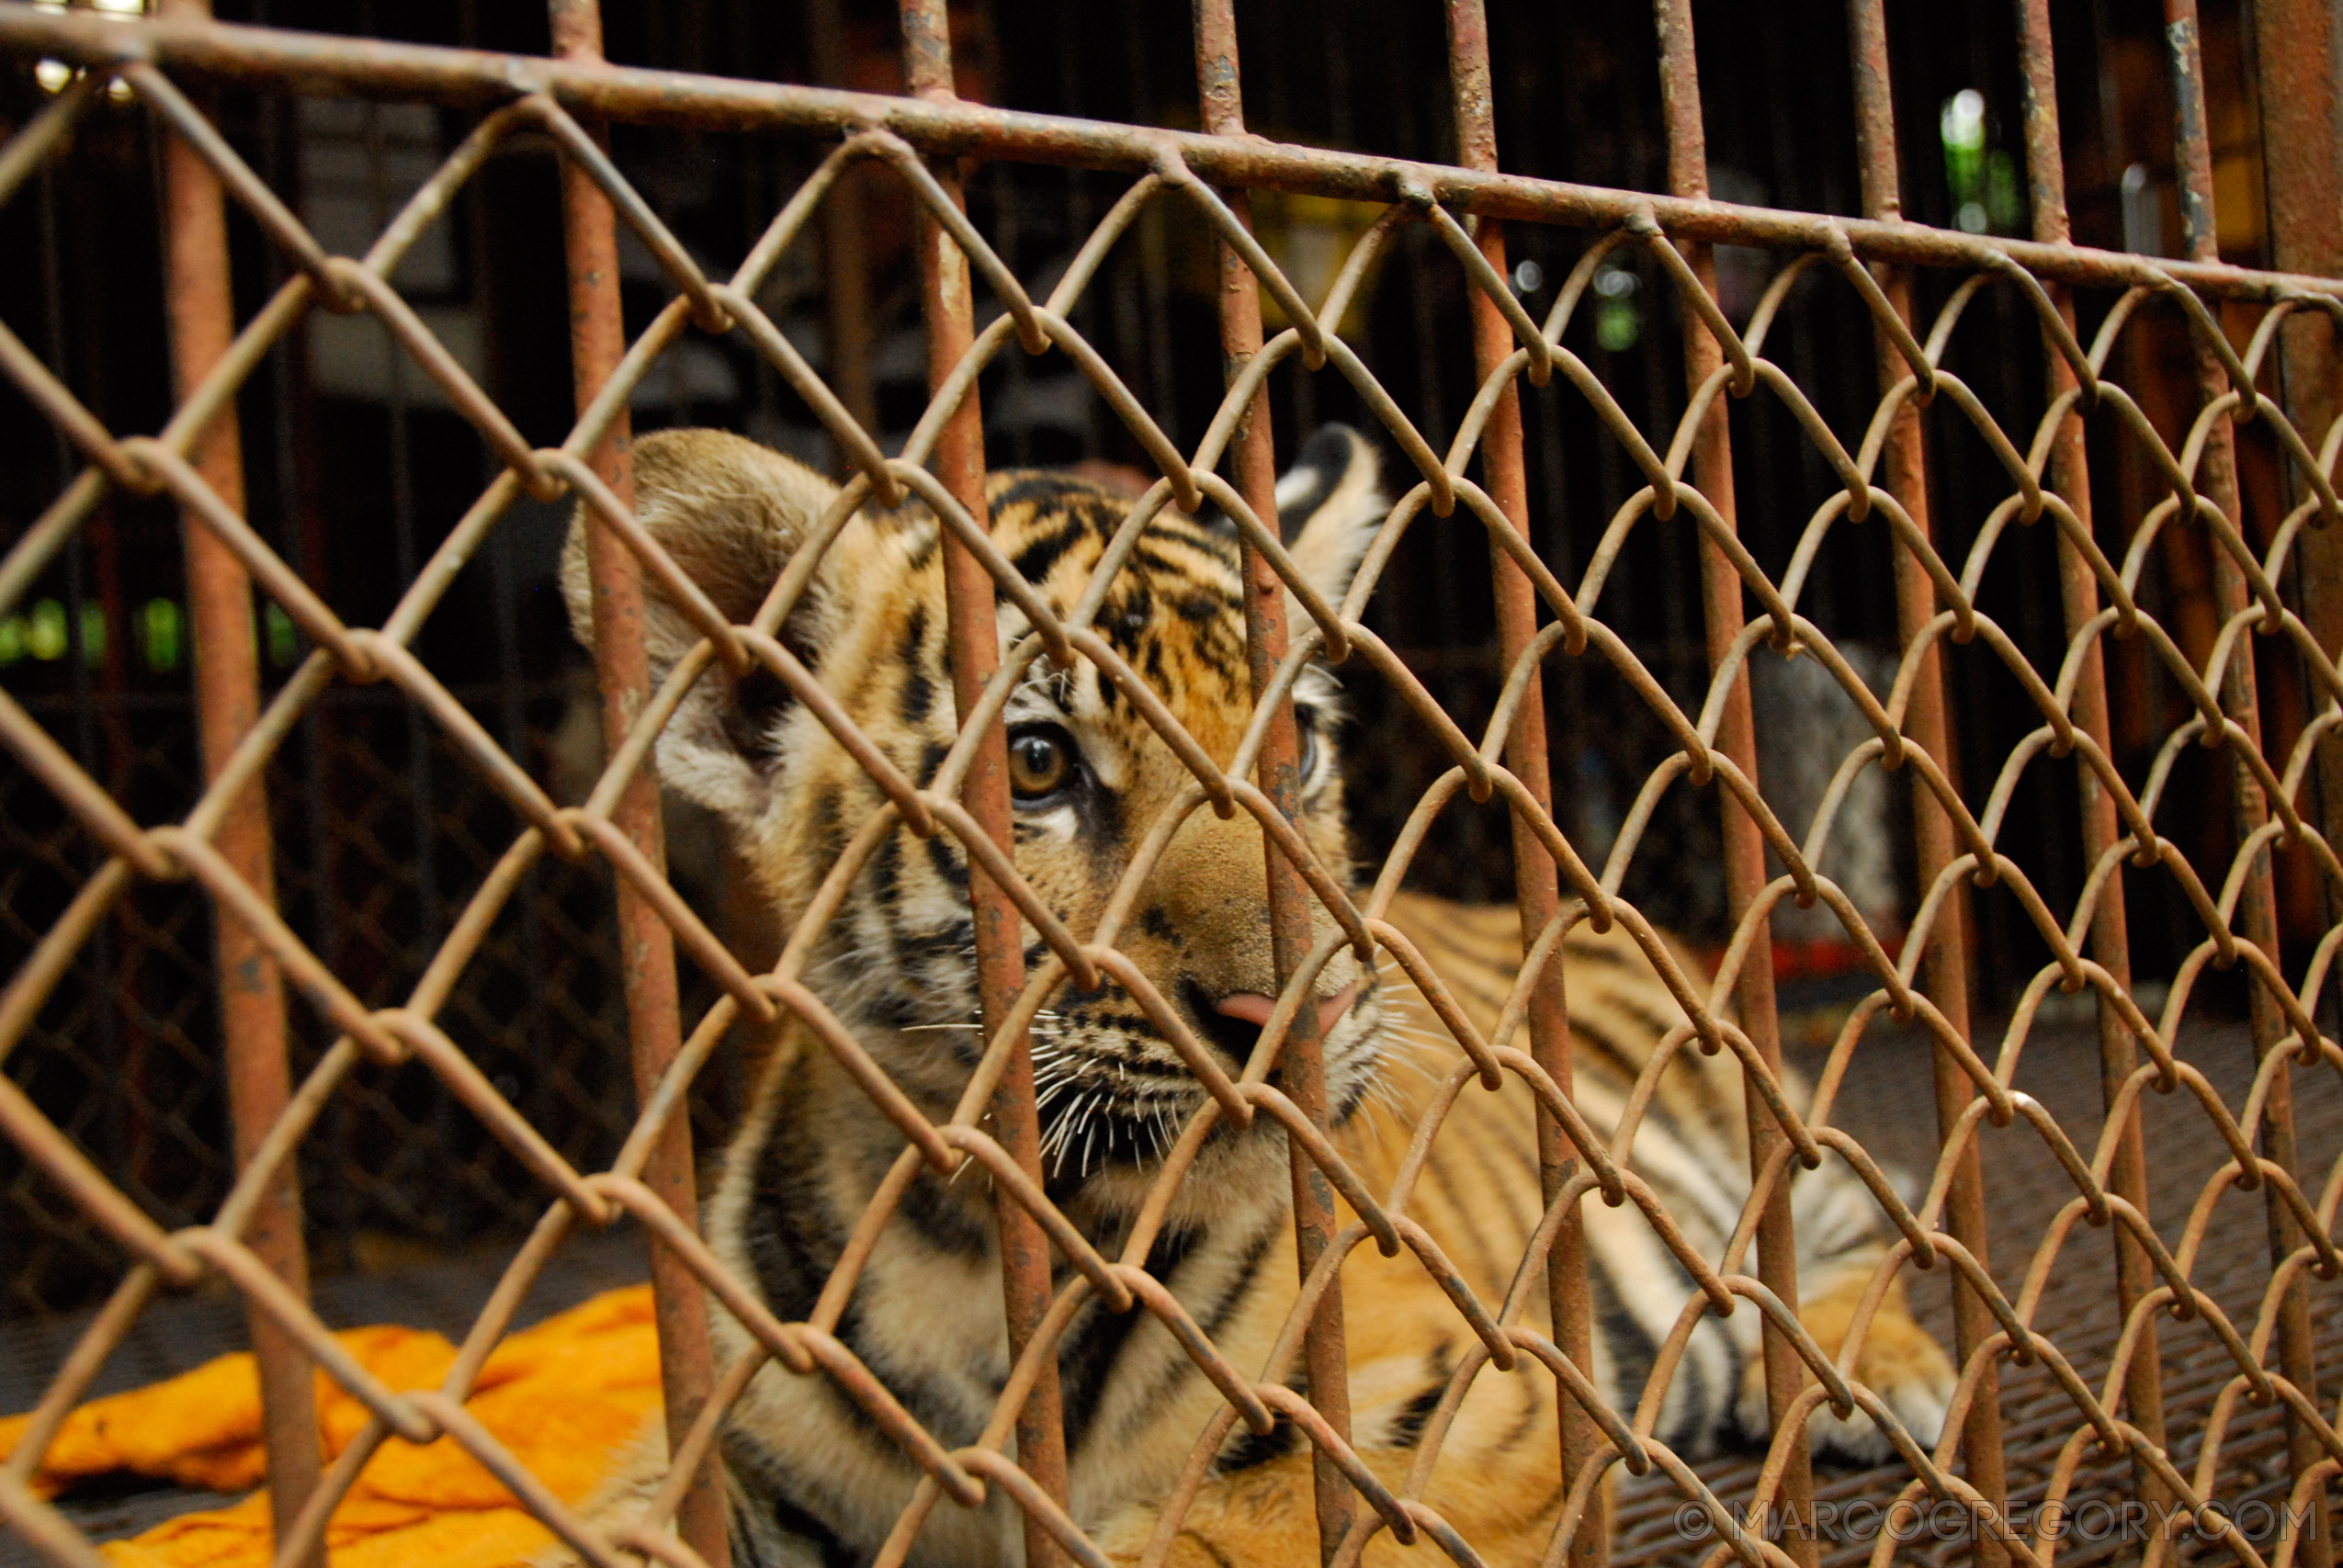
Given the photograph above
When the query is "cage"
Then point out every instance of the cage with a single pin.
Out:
(1866, 474)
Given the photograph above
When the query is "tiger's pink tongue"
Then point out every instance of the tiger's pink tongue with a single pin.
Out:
(1254, 1009)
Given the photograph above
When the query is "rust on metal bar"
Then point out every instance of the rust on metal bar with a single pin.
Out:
(1253, 459)
(2300, 95)
(948, 305)
(2257, 908)
(846, 302)
(1745, 873)
(647, 949)
(1537, 884)
(226, 666)
(1946, 962)
(2110, 940)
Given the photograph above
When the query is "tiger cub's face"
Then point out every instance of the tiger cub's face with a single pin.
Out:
(1090, 778)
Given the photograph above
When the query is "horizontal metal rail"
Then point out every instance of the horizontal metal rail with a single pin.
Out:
(318, 63)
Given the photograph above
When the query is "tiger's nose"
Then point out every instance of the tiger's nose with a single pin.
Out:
(1253, 1008)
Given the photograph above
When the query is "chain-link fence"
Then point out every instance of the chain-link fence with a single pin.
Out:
(478, 1090)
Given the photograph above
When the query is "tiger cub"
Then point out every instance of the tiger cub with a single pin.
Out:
(812, 1477)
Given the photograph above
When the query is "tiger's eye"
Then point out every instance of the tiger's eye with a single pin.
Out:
(1041, 762)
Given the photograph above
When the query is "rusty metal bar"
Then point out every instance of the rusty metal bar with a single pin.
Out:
(1946, 970)
(2110, 943)
(1745, 875)
(622, 665)
(950, 310)
(2300, 81)
(201, 308)
(2257, 917)
(1300, 1071)
(373, 68)
(846, 268)
(1537, 887)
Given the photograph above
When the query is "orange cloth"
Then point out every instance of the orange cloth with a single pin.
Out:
(563, 1396)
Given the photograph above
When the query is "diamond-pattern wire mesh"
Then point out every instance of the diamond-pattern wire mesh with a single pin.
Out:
(127, 1042)
(396, 1035)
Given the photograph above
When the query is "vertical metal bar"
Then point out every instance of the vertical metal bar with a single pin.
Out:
(2299, 68)
(1089, 315)
(646, 947)
(1537, 885)
(1745, 877)
(419, 773)
(1300, 1073)
(2256, 905)
(2110, 944)
(949, 307)
(482, 284)
(489, 285)
(2300, 73)
(333, 1206)
(331, 1216)
(202, 307)
(1008, 244)
(97, 680)
(846, 268)
(1945, 975)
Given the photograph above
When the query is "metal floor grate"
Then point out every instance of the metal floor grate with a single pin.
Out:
(1889, 1109)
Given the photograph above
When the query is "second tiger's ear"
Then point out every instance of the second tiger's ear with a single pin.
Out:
(1330, 505)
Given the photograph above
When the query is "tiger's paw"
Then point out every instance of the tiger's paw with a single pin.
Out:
(1900, 1362)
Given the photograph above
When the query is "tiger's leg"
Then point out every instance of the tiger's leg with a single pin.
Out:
(1842, 1235)
(1494, 1477)
(1899, 1360)
(1262, 1515)
(761, 1538)
(1266, 1518)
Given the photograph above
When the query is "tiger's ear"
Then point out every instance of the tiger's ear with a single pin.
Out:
(731, 513)
(1328, 505)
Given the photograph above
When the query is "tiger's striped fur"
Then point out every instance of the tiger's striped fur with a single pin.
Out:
(812, 1478)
